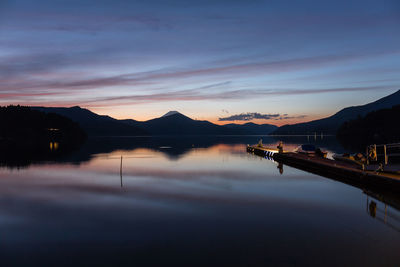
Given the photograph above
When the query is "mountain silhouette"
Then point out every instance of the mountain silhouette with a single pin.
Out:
(252, 128)
(377, 127)
(175, 123)
(94, 124)
(171, 123)
(331, 124)
(31, 135)
(169, 113)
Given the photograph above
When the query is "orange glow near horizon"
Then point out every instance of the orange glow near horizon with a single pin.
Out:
(273, 122)
(146, 116)
(123, 113)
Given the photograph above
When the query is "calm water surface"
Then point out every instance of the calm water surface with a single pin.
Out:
(181, 202)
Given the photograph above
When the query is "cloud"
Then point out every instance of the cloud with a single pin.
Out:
(36, 74)
(68, 90)
(198, 95)
(286, 117)
(258, 116)
(43, 70)
(54, 71)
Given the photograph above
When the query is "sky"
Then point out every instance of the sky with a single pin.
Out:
(273, 61)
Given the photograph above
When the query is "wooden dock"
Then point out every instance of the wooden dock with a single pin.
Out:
(345, 172)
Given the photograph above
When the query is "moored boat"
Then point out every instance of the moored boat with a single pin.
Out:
(311, 150)
(358, 158)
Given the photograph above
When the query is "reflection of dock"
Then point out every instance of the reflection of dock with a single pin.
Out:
(342, 171)
(383, 214)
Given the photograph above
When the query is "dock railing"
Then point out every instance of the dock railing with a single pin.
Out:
(383, 154)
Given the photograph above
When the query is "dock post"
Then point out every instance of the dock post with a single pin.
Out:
(260, 144)
(280, 147)
(384, 151)
(120, 171)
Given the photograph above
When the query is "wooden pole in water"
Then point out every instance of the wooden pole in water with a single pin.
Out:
(385, 213)
(386, 159)
(120, 171)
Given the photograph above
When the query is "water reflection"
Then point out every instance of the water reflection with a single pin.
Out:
(383, 213)
(174, 148)
(280, 167)
(385, 196)
(53, 146)
(203, 203)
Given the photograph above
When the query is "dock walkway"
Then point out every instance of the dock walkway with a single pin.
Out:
(342, 171)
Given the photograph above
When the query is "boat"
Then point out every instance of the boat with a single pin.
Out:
(311, 150)
(358, 158)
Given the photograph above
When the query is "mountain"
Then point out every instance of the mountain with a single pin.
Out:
(172, 123)
(175, 123)
(252, 128)
(169, 113)
(94, 124)
(377, 127)
(331, 124)
(31, 135)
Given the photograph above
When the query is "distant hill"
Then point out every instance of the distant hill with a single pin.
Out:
(252, 128)
(169, 113)
(179, 124)
(94, 124)
(172, 123)
(377, 127)
(175, 123)
(28, 134)
(23, 124)
(331, 124)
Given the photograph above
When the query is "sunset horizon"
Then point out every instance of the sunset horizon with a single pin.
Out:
(226, 118)
(200, 133)
(208, 60)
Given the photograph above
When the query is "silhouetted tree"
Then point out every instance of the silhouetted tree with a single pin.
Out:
(27, 134)
(377, 127)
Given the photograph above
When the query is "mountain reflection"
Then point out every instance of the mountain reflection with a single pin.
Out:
(174, 148)
(176, 201)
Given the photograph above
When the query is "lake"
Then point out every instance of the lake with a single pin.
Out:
(189, 201)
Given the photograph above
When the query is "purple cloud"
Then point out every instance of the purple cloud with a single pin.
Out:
(249, 116)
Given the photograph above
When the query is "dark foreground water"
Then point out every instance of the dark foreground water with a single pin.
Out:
(186, 202)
